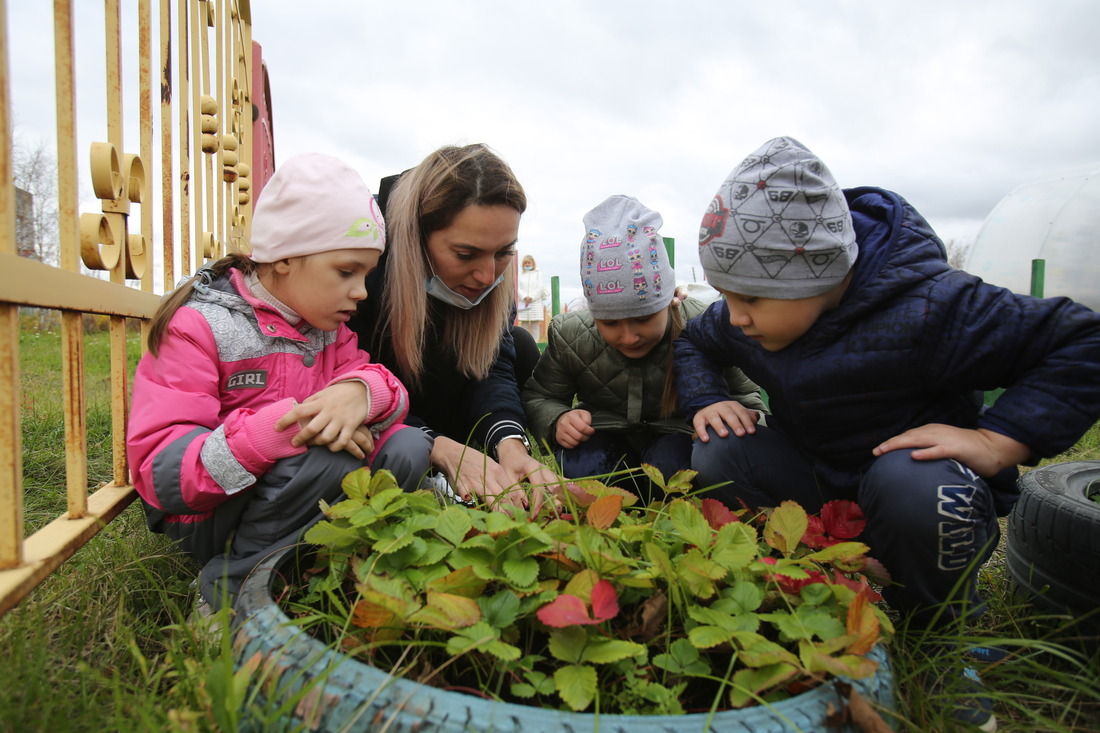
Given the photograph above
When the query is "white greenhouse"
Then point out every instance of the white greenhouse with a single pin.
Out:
(1055, 218)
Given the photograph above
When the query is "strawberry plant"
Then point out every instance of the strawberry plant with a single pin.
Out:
(608, 606)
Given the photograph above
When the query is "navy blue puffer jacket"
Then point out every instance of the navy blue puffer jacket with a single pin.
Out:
(912, 342)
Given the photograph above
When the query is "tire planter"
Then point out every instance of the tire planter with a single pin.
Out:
(1053, 544)
(347, 695)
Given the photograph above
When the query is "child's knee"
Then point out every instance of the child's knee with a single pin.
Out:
(407, 455)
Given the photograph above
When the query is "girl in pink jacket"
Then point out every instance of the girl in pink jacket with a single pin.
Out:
(254, 400)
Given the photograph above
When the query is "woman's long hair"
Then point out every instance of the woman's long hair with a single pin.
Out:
(176, 298)
(427, 199)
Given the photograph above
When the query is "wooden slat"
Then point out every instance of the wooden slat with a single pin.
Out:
(34, 284)
(46, 549)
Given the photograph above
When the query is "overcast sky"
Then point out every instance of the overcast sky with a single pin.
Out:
(951, 104)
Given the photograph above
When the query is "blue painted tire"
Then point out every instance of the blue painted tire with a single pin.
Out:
(348, 695)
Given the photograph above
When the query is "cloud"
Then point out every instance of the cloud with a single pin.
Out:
(950, 104)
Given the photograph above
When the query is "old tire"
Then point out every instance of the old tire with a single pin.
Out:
(345, 694)
(1053, 545)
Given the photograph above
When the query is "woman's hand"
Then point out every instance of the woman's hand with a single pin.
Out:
(525, 468)
(573, 428)
(333, 417)
(982, 451)
(472, 473)
(719, 415)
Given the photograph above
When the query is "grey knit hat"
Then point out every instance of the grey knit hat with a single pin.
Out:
(624, 265)
(778, 227)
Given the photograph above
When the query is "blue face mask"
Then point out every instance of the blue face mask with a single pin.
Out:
(439, 290)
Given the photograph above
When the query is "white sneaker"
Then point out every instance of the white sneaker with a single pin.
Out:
(445, 492)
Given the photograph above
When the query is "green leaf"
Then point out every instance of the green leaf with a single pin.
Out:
(522, 690)
(567, 644)
(356, 485)
(698, 573)
(497, 523)
(523, 572)
(500, 609)
(576, 683)
(607, 651)
(741, 598)
(734, 546)
(705, 637)
(453, 524)
(680, 482)
(654, 474)
(820, 622)
(383, 481)
(749, 683)
(331, 536)
(790, 627)
(682, 658)
(690, 523)
(816, 594)
(389, 543)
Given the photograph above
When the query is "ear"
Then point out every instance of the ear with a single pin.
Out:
(281, 267)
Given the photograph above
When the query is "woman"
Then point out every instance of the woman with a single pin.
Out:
(452, 224)
(532, 294)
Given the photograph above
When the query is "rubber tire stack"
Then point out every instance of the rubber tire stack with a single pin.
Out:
(1053, 547)
(347, 695)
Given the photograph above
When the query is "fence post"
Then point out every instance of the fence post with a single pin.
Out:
(1038, 277)
(670, 246)
(555, 294)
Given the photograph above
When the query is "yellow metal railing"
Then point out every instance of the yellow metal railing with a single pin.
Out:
(201, 205)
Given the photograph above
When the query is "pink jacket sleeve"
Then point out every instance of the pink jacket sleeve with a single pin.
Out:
(184, 458)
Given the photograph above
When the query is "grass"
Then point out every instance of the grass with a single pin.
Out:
(106, 642)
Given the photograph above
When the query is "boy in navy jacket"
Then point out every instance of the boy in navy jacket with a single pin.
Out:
(874, 352)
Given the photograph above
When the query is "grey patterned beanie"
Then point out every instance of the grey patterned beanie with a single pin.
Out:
(778, 227)
(624, 265)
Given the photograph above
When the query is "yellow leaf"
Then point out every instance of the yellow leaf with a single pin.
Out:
(786, 526)
(461, 582)
(580, 585)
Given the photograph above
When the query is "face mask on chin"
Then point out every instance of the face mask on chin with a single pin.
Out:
(439, 290)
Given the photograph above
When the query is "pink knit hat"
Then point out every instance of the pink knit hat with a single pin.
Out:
(315, 203)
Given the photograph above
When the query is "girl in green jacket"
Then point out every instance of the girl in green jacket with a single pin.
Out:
(602, 396)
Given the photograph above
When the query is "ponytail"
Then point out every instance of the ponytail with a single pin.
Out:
(176, 298)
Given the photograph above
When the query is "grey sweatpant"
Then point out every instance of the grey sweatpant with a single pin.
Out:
(282, 505)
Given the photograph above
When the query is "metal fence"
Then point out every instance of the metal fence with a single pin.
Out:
(171, 190)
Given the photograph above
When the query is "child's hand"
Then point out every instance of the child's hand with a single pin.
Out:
(331, 417)
(982, 451)
(573, 428)
(720, 414)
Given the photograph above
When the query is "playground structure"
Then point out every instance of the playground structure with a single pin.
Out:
(171, 196)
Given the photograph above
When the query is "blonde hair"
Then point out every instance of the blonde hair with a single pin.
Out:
(176, 298)
(427, 199)
(676, 326)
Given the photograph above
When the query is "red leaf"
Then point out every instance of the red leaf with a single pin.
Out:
(793, 585)
(565, 610)
(605, 602)
(842, 518)
(860, 586)
(717, 514)
(815, 533)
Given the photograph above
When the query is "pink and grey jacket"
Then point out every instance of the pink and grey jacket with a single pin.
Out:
(229, 366)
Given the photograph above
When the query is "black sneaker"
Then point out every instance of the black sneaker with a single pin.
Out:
(968, 697)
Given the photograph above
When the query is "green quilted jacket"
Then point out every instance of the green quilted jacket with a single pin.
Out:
(623, 395)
